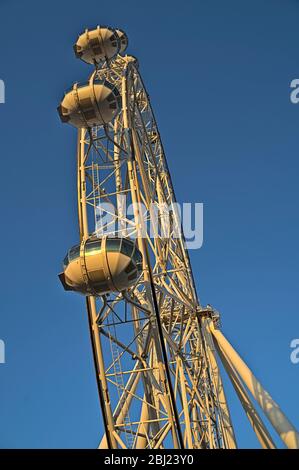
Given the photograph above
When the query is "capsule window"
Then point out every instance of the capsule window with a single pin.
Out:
(127, 247)
(113, 244)
(65, 261)
(74, 253)
(92, 247)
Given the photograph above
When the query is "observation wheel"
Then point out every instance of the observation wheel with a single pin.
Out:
(154, 345)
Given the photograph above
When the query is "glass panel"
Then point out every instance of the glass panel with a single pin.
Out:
(92, 247)
(74, 253)
(127, 247)
(65, 261)
(113, 244)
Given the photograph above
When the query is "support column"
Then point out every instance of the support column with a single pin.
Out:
(227, 427)
(255, 420)
(279, 421)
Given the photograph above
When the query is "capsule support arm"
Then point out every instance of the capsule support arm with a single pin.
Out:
(279, 421)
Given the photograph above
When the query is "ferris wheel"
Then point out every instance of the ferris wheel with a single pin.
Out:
(156, 349)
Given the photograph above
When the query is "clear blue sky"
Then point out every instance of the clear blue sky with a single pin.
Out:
(218, 73)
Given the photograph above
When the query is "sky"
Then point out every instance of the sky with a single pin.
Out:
(218, 75)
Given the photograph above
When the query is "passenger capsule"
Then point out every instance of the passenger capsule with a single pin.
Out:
(99, 266)
(92, 104)
(97, 45)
